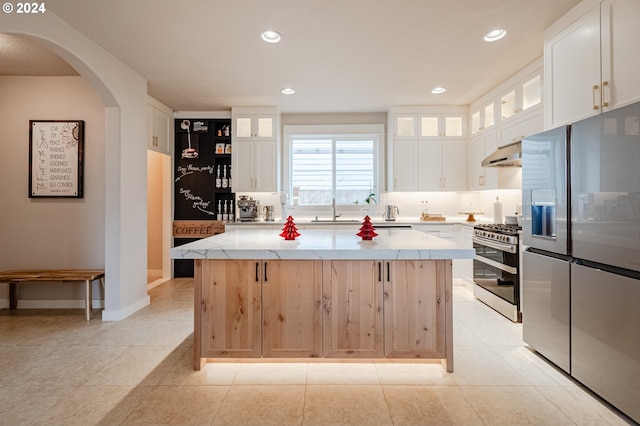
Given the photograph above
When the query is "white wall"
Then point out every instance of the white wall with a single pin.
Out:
(44, 232)
(124, 94)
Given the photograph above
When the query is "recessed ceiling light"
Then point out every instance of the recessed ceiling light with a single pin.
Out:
(288, 91)
(438, 90)
(494, 35)
(271, 36)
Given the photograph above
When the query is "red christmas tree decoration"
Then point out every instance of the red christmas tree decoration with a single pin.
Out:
(367, 231)
(289, 231)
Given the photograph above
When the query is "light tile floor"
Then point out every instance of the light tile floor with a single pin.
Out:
(57, 369)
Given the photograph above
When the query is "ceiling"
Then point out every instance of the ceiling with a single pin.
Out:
(339, 55)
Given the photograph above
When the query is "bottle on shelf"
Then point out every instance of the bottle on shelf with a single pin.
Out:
(225, 215)
(218, 182)
(225, 181)
(231, 211)
(219, 215)
(230, 177)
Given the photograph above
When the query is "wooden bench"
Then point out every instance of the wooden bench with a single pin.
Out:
(13, 277)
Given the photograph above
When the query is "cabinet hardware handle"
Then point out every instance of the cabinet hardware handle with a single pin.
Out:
(388, 272)
(379, 271)
(265, 272)
(602, 95)
(595, 106)
(257, 266)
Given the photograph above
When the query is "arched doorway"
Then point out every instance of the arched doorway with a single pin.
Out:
(123, 93)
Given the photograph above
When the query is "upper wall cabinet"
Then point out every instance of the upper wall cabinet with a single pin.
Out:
(428, 126)
(158, 127)
(481, 178)
(256, 143)
(520, 94)
(255, 126)
(591, 61)
(427, 149)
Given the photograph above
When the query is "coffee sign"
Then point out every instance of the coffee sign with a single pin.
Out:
(196, 228)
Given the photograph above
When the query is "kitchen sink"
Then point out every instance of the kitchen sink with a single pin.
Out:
(316, 220)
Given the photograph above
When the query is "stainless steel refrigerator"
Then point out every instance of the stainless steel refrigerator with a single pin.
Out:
(605, 240)
(546, 231)
(581, 274)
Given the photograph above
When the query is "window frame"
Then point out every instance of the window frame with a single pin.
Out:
(373, 132)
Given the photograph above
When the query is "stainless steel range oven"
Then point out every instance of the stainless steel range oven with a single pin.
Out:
(496, 268)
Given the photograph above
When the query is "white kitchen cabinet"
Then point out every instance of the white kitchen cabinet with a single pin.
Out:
(427, 149)
(439, 230)
(405, 165)
(591, 62)
(441, 165)
(521, 127)
(429, 165)
(483, 116)
(475, 122)
(480, 146)
(519, 94)
(253, 166)
(254, 126)
(256, 150)
(524, 95)
(489, 114)
(429, 125)
(158, 128)
(463, 268)
(440, 126)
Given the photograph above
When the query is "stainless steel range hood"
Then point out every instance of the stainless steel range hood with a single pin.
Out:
(505, 156)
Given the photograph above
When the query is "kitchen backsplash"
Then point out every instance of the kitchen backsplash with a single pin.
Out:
(410, 204)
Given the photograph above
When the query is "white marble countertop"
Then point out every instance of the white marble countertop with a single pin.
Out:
(397, 244)
(375, 221)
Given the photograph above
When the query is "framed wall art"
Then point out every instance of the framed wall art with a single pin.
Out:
(56, 156)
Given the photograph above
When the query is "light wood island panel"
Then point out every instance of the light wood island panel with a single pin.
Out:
(338, 309)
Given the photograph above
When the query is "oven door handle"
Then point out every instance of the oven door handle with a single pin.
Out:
(509, 269)
(509, 248)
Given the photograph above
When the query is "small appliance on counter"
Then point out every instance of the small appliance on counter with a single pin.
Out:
(390, 212)
(268, 213)
(248, 209)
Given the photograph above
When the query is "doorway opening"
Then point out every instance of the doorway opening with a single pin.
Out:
(158, 218)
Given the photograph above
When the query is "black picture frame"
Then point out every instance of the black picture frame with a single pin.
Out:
(56, 158)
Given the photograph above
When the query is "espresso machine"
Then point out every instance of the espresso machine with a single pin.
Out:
(248, 209)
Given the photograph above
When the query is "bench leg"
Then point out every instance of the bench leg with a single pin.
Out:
(88, 300)
(13, 296)
(103, 295)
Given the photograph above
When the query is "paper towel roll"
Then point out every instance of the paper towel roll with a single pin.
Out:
(497, 212)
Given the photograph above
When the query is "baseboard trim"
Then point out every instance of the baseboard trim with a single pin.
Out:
(120, 314)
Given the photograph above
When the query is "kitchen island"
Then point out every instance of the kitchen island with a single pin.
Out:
(327, 294)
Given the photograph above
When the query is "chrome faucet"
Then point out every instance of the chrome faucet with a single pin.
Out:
(333, 204)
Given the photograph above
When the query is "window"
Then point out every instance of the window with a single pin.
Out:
(323, 166)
